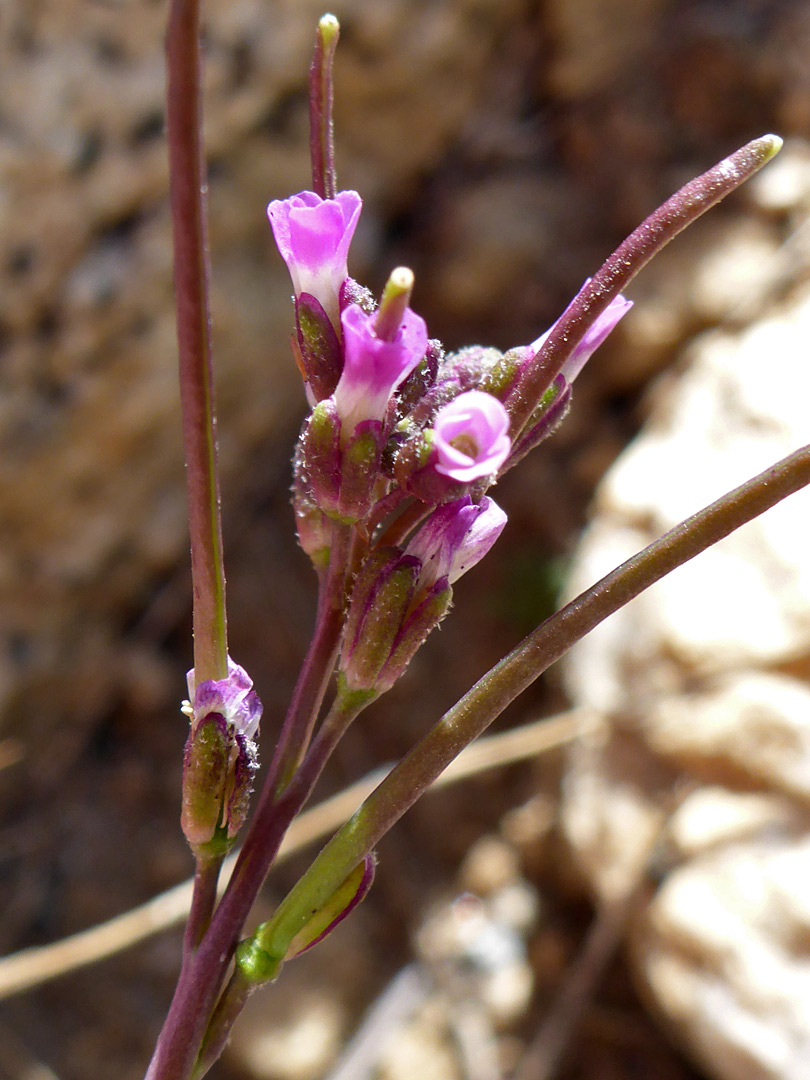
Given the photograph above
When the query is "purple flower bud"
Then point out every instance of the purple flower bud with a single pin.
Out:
(455, 537)
(594, 336)
(471, 436)
(374, 367)
(313, 236)
(233, 698)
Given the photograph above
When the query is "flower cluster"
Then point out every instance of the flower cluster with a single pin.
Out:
(402, 441)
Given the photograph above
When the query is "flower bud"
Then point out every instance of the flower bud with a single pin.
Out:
(400, 596)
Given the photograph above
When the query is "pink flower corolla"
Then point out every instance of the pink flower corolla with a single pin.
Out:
(471, 436)
(594, 335)
(313, 236)
(233, 698)
(374, 367)
(456, 536)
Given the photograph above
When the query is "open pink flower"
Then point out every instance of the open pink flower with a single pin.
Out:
(594, 336)
(471, 436)
(313, 236)
(373, 368)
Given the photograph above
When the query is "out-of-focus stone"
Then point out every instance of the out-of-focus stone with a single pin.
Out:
(701, 680)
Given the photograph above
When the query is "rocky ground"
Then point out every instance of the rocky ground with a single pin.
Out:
(503, 149)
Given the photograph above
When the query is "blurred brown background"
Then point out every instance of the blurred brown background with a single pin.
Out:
(503, 148)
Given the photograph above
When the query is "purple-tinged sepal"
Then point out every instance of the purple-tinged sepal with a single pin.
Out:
(312, 525)
(313, 236)
(336, 474)
(359, 471)
(321, 358)
(220, 760)
(340, 904)
(318, 458)
(378, 610)
(256, 965)
(424, 616)
(544, 421)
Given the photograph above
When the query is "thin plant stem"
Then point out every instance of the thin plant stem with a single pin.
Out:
(203, 899)
(187, 174)
(229, 1007)
(316, 670)
(188, 185)
(503, 683)
(616, 273)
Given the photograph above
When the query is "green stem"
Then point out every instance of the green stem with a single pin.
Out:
(500, 686)
(188, 178)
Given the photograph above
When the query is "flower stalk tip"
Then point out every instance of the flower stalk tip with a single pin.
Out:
(321, 99)
(393, 303)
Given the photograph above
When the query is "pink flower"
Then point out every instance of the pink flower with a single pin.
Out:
(456, 536)
(471, 436)
(313, 236)
(374, 367)
(594, 336)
